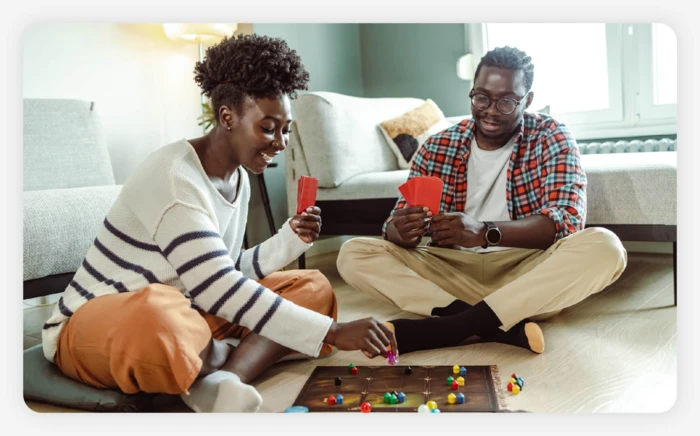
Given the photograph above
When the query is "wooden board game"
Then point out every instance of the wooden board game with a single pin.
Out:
(482, 388)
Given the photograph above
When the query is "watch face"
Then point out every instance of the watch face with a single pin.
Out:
(493, 235)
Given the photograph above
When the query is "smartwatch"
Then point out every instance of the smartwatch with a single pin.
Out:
(492, 236)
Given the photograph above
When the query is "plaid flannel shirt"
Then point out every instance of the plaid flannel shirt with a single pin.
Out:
(544, 176)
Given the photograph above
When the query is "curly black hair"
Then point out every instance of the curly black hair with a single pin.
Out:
(512, 59)
(249, 66)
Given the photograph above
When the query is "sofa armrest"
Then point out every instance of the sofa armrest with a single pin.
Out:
(295, 166)
(60, 225)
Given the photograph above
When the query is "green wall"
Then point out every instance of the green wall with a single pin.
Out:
(331, 55)
(415, 60)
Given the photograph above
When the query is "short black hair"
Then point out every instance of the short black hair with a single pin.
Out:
(509, 58)
(249, 66)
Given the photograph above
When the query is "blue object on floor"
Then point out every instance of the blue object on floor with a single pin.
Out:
(297, 409)
(339, 399)
(435, 411)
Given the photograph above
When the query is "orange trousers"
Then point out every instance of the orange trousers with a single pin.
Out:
(150, 340)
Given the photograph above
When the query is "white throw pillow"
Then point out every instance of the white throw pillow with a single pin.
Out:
(405, 134)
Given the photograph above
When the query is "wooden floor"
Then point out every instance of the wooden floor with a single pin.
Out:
(614, 352)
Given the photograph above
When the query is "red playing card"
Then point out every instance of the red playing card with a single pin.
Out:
(408, 190)
(306, 193)
(428, 192)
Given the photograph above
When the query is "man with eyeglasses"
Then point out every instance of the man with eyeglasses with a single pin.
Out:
(508, 247)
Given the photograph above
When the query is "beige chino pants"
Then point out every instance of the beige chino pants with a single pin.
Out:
(516, 283)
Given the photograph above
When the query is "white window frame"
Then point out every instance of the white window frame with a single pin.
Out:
(630, 84)
(648, 111)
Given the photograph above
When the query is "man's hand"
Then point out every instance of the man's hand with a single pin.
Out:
(307, 225)
(457, 228)
(409, 226)
(368, 335)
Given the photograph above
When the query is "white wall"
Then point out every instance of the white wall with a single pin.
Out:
(141, 82)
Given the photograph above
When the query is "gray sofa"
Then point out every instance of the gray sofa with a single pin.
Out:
(336, 138)
(68, 188)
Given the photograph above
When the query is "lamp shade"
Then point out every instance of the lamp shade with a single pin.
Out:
(199, 32)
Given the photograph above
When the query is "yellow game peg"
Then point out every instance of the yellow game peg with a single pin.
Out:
(516, 389)
(452, 398)
(431, 405)
(460, 381)
(455, 369)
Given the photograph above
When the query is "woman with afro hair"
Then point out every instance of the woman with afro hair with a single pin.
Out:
(165, 285)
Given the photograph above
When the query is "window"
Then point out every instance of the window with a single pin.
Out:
(602, 80)
(658, 56)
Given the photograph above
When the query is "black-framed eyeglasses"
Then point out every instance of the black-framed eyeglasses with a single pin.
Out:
(506, 106)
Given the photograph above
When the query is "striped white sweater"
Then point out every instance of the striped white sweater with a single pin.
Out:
(170, 225)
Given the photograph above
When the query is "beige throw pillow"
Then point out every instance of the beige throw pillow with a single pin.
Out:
(405, 134)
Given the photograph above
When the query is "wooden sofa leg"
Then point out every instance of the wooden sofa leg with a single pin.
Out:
(302, 261)
(675, 274)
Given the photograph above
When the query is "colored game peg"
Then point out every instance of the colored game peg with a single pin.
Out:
(452, 398)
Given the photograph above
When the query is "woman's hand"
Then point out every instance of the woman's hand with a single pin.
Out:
(307, 225)
(368, 335)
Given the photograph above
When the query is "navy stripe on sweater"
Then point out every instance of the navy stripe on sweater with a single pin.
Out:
(271, 311)
(119, 286)
(247, 306)
(82, 291)
(62, 307)
(93, 272)
(188, 237)
(129, 240)
(206, 283)
(199, 260)
(101, 278)
(224, 298)
(238, 261)
(256, 262)
(49, 325)
(124, 264)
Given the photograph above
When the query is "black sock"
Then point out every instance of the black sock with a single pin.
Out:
(516, 335)
(448, 331)
(457, 306)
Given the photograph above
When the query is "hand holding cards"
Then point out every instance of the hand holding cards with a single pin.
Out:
(410, 223)
(423, 191)
(306, 193)
(307, 223)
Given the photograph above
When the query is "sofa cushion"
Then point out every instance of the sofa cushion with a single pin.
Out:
(63, 146)
(631, 188)
(371, 185)
(340, 134)
(60, 225)
(406, 133)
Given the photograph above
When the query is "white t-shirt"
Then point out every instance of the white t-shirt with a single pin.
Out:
(487, 172)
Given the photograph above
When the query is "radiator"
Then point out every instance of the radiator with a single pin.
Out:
(633, 146)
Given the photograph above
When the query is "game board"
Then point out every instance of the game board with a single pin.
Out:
(482, 388)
